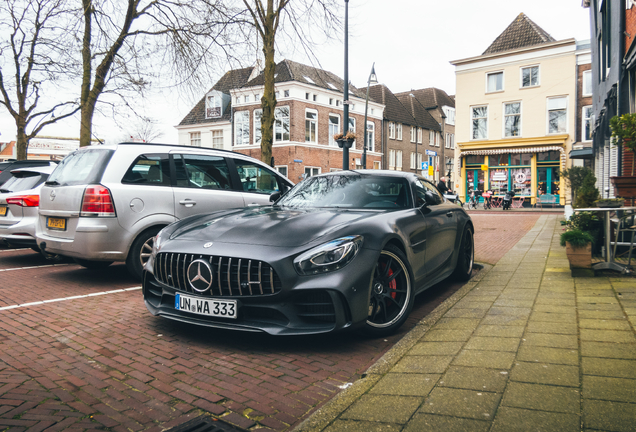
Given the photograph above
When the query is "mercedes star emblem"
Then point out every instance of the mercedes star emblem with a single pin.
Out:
(200, 275)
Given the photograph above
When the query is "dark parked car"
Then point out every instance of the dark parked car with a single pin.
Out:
(341, 250)
(8, 166)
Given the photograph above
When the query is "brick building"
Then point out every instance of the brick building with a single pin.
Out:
(582, 151)
(309, 112)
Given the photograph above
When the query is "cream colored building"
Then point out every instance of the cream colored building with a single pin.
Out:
(516, 114)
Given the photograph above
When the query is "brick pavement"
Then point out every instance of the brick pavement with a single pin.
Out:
(105, 362)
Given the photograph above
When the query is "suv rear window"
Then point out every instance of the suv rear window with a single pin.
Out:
(23, 181)
(81, 167)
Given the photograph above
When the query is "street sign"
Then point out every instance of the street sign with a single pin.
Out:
(430, 171)
(424, 166)
(431, 153)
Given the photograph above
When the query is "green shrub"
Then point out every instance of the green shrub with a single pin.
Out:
(588, 192)
(576, 238)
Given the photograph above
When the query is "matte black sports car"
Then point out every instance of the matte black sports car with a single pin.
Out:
(341, 250)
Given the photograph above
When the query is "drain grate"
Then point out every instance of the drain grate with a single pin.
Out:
(205, 423)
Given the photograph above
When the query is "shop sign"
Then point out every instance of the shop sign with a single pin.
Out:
(484, 167)
(500, 176)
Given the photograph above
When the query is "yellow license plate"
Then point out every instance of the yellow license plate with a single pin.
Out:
(3, 211)
(56, 223)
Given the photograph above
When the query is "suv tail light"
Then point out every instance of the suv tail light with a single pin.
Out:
(98, 202)
(25, 200)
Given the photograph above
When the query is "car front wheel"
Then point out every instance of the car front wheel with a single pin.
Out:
(391, 296)
(466, 256)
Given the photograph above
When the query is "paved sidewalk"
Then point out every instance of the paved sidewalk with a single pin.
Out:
(523, 347)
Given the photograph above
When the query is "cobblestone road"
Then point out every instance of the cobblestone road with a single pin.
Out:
(82, 352)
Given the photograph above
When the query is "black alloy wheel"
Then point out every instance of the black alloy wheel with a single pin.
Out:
(466, 256)
(392, 296)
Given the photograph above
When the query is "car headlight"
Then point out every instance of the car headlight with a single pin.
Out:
(329, 256)
(159, 239)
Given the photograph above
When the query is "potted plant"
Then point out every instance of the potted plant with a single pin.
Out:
(609, 202)
(624, 133)
(345, 139)
(578, 248)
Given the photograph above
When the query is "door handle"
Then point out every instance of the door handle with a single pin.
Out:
(253, 205)
(449, 214)
(188, 202)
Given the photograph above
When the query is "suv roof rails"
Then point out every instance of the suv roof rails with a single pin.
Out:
(180, 146)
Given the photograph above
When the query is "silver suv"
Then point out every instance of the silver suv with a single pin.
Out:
(106, 203)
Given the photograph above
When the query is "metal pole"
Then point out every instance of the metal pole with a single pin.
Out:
(345, 129)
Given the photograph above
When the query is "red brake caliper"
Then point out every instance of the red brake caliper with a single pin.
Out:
(392, 284)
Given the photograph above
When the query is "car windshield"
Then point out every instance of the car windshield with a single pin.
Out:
(350, 191)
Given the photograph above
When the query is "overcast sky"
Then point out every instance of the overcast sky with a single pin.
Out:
(410, 41)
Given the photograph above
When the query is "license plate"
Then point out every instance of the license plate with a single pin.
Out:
(3, 211)
(209, 307)
(56, 223)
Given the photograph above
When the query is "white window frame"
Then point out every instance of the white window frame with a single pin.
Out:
(452, 140)
(419, 135)
(449, 112)
(447, 141)
(398, 160)
(278, 168)
(413, 160)
(258, 133)
(472, 130)
(195, 139)
(584, 119)
(521, 69)
(413, 134)
(215, 139)
(370, 136)
(241, 123)
(438, 136)
(392, 130)
(285, 93)
(314, 171)
(213, 105)
(488, 74)
(308, 126)
(586, 76)
(278, 120)
(431, 138)
(399, 131)
(391, 159)
(503, 123)
(332, 132)
(549, 110)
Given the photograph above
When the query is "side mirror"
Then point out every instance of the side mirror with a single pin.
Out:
(430, 198)
(274, 197)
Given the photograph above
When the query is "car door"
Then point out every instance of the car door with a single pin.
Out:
(203, 184)
(257, 182)
(441, 226)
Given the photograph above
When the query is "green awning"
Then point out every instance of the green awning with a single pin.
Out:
(586, 153)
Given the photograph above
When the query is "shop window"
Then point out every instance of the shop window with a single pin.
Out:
(521, 180)
(498, 160)
(550, 156)
(475, 159)
(499, 181)
(520, 158)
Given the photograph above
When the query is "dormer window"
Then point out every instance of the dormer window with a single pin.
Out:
(212, 106)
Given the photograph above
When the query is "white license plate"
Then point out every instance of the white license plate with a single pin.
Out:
(209, 307)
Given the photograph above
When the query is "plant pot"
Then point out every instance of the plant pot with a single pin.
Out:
(345, 142)
(625, 186)
(609, 203)
(580, 257)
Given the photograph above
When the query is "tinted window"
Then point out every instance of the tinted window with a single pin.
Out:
(81, 167)
(421, 187)
(201, 171)
(23, 181)
(150, 169)
(255, 178)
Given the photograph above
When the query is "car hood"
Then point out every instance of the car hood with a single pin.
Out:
(273, 226)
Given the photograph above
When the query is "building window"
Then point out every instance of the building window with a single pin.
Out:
(330, 101)
(587, 83)
(413, 134)
(438, 137)
(247, 98)
(286, 93)
(241, 128)
(452, 141)
(480, 122)
(431, 138)
(258, 132)
(337, 102)
(277, 95)
(334, 128)
(398, 160)
(377, 165)
(494, 82)
(311, 171)
(311, 120)
(530, 76)
(447, 141)
(212, 106)
(449, 112)
(195, 139)
(315, 98)
(257, 97)
(391, 130)
(391, 159)
(217, 139)
(238, 99)
(512, 119)
(399, 131)
(419, 135)
(281, 124)
(414, 160)
(587, 116)
(281, 169)
(557, 115)
(307, 96)
(370, 135)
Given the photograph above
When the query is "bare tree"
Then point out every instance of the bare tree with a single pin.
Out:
(294, 21)
(129, 44)
(144, 129)
(34, 60)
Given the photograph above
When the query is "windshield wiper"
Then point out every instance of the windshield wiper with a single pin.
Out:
(4, 191)
(51, 183)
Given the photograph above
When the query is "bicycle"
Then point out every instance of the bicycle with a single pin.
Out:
(487, 202)
(473, 202)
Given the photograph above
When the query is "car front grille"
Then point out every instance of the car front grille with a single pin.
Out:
(231, 276)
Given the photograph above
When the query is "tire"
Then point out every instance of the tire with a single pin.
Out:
(466, 256)
(92, 265)
(391, 298)
(140, 252)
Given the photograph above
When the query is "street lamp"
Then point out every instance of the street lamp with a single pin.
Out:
(373, 79)
(345, 128)
(449, 168)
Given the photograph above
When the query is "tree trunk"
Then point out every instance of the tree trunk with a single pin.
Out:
(21, 140)
(268, 101)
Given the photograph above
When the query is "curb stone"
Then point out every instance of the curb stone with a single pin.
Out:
(326, 414)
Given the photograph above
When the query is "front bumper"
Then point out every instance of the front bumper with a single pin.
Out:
(301, 305)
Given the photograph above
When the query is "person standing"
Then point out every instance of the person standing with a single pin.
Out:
(441, 185)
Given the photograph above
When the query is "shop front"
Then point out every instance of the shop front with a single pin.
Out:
(528, 171)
